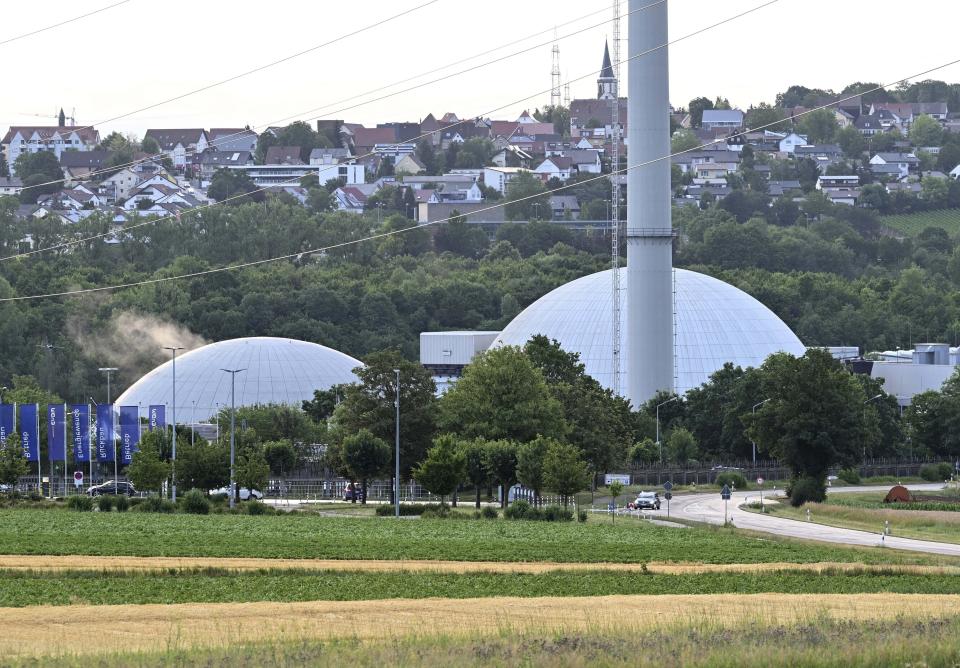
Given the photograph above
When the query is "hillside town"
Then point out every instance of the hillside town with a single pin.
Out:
(863, 149)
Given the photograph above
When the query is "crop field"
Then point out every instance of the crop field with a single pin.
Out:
(314, 589)
(915, 223)
(874, 501)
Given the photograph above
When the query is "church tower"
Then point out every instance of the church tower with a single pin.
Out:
(607, 83)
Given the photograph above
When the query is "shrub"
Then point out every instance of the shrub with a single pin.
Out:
(219, 499)
(436, 513)
(807, 490)
(518, 510)
(122, 503)
(735, 480)
(582, 516)
(936, 472)
(257, 508)
(105, 503)
(850, 476)
(406, 509)
(489, 513)
(557, 514)
(195, 502)
(80, 503)
(156, 504)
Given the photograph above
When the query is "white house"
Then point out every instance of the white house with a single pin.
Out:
(903, 161)
(955, 172)
(180, 144)
(499, 178)
(23, 139)
(12, 185)
(555, 167)
(790, 143)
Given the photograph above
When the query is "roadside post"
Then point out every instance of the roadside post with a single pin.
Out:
(725, 495)
(760, 485)
(668, 494)
(77, 480)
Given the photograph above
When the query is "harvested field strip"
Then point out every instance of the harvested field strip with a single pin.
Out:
(24, 589)
(131, 628)
(154, 564)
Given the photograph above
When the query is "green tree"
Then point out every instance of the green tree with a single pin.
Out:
(475, 153)
(365, 457)
(819, 126)
(370, 404)
(444, 469)
(530, 458)
(500, 460)
(502, 396)
(682, 446)
(814, 419)
(684, 140)
(201, 465)
(252, 469)
(616, 489)
(564, 471)
(13, 465)
(764, 116)
(40, 173)
(926, 131)
(851, 142)
(232, 185)
(696, 107)
(281, 456)
(528, 198)
(644, 452)
(461, 238)
(476, 469)
(148, 471)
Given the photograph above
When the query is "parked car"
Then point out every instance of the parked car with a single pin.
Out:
(647, 500)
(353, 492)
(244, 493)
(113, 488)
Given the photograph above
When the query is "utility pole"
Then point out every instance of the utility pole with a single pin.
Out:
(615, 197)
(555, 83)
(173, 421)
(113, 434)
(396, 494)
(233, 428)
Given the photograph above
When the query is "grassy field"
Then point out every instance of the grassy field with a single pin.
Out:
(915, 223)
(822, 644)
(313, 537)
(874, 501)
(20, 589)
(941, 526)
(715, 630)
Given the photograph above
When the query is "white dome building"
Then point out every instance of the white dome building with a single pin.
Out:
(716, 323)
(277, 371)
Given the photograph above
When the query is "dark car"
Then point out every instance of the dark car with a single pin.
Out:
(113, 488)
(353, 492)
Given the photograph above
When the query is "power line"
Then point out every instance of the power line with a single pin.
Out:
(63, 23)
(382, 235)
(326, 108)
(75, 242)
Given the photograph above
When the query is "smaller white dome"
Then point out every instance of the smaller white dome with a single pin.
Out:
(276, 371)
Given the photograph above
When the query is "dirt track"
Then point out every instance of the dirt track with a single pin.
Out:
(152, 564)
(41, 631)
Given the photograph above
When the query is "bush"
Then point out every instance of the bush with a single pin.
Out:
(156, 504)
(936, 472)
(489, 513)
(406, 509)
(521, 510)
(807, 490)
(734, 480)
(80, 503)
(518, 510)
(105, 503)
(582, 516)
(436, 513)
(557, 514)
(195, 502)
(850, 476)
(122, 503)
(257, 508)
(219, 499)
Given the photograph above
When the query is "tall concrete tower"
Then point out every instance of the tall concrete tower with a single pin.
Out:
(650, 346)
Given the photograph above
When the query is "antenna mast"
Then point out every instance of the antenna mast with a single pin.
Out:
(615, 200)
(555, 76)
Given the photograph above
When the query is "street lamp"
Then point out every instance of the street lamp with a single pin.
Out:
(173, 421)
(233, 415)
(753, 442)
(660, 445)
(879, 396)
(109, 370)
(396, 484)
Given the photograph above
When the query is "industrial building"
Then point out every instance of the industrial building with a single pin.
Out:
(275, 371)
(907, 373)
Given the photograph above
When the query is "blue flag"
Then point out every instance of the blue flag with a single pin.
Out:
(30, 431)
(80, 432)
(129, 433)
(57, 432)
(105, 435)
(158, 417)
(7, 426)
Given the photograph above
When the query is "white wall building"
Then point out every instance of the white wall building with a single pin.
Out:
(21, 139)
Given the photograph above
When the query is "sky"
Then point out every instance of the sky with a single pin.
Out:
(143, 52)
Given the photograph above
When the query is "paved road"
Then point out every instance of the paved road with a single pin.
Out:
(710, 508)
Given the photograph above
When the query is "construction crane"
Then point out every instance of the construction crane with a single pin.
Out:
(57, 116)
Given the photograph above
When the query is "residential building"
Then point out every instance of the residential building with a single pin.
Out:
(283, 155)
(329, 156)
(499, 178)
(178, 144)
(78, 165)
(565, 207)
(555, 167)
(34, 139)
(409, 164)
(10, 185)
(905, 162)
(727, 119)
(791, 141)
(211, 160)
(233, 139)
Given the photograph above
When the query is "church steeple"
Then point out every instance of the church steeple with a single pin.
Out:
(607, 83)
(62, 118)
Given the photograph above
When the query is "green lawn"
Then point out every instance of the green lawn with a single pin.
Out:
(60, 532)
(18, 589)
(915, 223)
